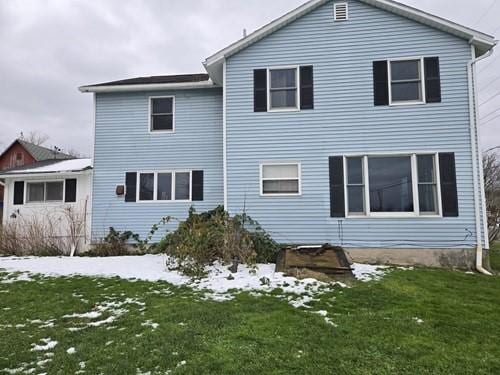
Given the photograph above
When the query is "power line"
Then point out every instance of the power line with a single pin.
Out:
(490, 120)
(491, 149)
(491, 63)
(490, 83)
(489, 114)
(485, 12)
(490, 99)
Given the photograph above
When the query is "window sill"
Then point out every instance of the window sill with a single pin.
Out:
(164, 201)
(406, 104)
(277, 195)
(161, 131)
(394, 216)
(276, 110)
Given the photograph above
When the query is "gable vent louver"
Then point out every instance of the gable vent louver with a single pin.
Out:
(340, 12)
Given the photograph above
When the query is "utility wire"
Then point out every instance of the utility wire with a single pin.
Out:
(485, 13)
(489, 114)
(493, 148)
(490, 83)
(491, 63)
(490, 120)
(490, 99)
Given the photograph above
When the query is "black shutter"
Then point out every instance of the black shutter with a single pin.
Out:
(306, 87)
(130, 186)
(337, 204)
(70, 190)
(18, 192)
(197, 186)
(449, 197)
(432, 80)
(380, 83)
(260, 90)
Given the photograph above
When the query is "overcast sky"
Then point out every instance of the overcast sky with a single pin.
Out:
(49, 48)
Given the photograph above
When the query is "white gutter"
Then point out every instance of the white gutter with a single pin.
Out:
(150, 87)
(474, 137)
(224, 133)
(46, 174)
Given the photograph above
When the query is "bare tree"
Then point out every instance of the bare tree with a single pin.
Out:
(491, 171)
(35, 137)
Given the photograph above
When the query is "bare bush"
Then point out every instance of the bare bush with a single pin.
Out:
(57, 232)
(491, 172)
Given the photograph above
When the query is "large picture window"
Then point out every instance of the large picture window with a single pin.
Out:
(393, 185)
(162, 114)
(280, 179)
(50, 191)
(406, 83)
(283, 92)
(164, 186)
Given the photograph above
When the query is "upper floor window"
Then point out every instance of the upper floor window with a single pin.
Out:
(50, 191)
(283, 92)
(280, 179)
(162, 111)
(406, 83)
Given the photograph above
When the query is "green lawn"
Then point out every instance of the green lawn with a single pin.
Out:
(418, 322)
(495, 256)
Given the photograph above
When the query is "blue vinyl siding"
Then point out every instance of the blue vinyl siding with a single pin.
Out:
(344, 121)
(123, 144)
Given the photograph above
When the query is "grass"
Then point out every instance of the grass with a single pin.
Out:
(377, 329)
(495, 256)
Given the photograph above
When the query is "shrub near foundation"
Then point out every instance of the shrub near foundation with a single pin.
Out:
(213, 236)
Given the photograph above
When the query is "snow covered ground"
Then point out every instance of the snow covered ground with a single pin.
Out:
(219, 283)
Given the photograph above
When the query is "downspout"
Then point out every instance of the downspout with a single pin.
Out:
(224, 133)
(475, 154)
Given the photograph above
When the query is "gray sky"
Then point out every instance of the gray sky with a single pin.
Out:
(49, 48)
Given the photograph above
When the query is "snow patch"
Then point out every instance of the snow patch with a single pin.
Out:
(367, 272)
(49, 344)
(150, 323)
(71, 350)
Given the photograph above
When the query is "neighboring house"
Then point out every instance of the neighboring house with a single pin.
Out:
(349, 122)
(20, 153)
(53, 195)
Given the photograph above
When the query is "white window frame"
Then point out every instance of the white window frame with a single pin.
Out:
(262, 179)
(414, 175)
(150, 114)
(297, 95)
(335, 5)
(422, 80)
(45, 201)
(155, 186)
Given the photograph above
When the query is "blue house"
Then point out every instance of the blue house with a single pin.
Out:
(345, 122)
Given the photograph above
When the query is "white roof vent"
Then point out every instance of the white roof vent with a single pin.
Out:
(340, 12)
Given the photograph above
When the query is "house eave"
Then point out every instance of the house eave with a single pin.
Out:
(149, 87)
(45, 174)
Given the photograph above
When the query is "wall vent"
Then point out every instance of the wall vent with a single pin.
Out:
(340, 12)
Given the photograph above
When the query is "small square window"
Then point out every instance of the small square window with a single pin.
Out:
(283, 88)
(54, 191)
(162, 114)
(36, 192)
(280, 179)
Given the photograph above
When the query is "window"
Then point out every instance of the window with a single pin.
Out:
(162, 114)
(39, 192)
(390, 184)
(164, 189)
(355, 186)
(405, 79)
(427, 184)
(164, 186)
(395, 185)
(283, 93)
(280, 179)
